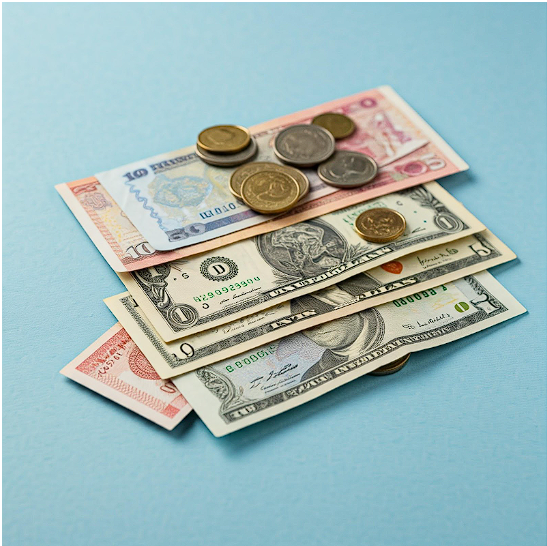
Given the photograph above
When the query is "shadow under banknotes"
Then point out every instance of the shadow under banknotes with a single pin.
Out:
(419, 364)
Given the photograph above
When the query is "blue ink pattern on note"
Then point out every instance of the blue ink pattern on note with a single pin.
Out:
(183, 191)
(144, 201)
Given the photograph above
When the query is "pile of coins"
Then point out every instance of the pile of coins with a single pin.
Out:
(270, 188)
(226, 145)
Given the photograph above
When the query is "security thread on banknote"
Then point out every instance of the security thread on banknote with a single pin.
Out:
(188, 296)
(115, 367)
(409, 276)
(271, 379)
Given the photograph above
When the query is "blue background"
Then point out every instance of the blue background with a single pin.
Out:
(450, 451)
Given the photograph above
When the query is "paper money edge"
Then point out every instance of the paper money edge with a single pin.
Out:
(70, 372)
(147, 344)
(201, 404)
(153, 350)
(455, 206)
(424, 126)
(89, 227)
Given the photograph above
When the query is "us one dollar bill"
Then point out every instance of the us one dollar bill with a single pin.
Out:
(176, 200)
(238, 392)
(405, 279)
(188, 296)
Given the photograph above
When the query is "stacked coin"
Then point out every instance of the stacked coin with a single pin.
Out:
(269, 188)
(226, 145)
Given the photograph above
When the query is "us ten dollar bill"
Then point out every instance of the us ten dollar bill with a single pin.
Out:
(188, 296)
(407, 279)
(238, 392)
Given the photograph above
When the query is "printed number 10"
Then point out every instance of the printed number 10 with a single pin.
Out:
(136, 174)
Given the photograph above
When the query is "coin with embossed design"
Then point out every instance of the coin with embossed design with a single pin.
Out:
(380, 225)
(224, 139)
(241, 173)
(347, 169)
(303, 145)
(338, 125)
(392, 367)
(228, 160)
(270, 192)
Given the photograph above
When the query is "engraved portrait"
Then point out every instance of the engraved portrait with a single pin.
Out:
(345, 338)
(303, 250)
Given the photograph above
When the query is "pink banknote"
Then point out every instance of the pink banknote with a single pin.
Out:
(407, 149)
(115, 367)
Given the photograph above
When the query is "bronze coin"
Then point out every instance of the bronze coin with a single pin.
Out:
(270, 192)
(380, 225)
(338, 125)
(393, 367)
(224, 139)
(240, 174)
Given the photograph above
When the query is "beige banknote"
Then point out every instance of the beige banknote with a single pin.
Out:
(187, 296)
(114, 367)
(240, 391)
(408, 277)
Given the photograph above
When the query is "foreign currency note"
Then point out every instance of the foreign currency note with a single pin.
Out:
(187, 296)
(116, 238)
(115, 367)
(175, 200)
(241, 391)
(407, 278)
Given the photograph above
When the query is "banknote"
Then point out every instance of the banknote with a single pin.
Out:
(176, 200)
(116, 238)
(114, 367)
(410, 276)
(238, 392)
(187, 296)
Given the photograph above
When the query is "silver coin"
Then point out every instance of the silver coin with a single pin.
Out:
(228, 160)
(348, 169)
(304, 145)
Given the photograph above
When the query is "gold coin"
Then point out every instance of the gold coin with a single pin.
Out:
(380, 225)
(338, 125)
(240, 174)
(270, 192)
(224, 139)
(392, 367)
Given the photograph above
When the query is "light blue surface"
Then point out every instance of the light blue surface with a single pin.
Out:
(450, 451)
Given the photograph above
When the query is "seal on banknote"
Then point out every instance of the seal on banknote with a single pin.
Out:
(224, 139)
(380, 225)
(270, 192)
(304, 145)
(347, 169)
(339, 125)
(241, 173)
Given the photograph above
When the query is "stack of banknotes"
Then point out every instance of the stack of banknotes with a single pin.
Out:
(241, 316)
